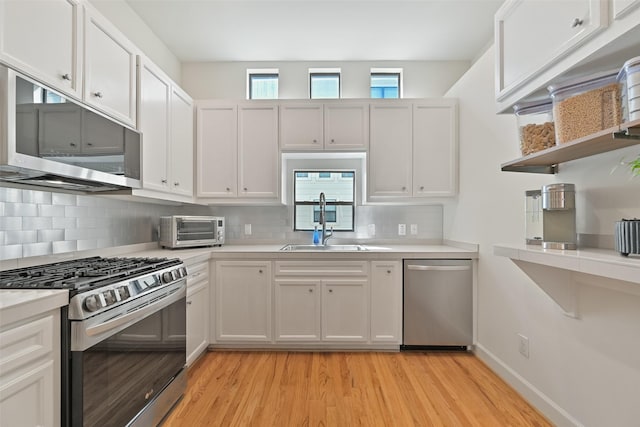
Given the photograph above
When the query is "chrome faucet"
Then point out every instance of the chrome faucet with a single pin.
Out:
(323, 220)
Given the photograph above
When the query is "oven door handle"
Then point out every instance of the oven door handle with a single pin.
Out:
(134, 315)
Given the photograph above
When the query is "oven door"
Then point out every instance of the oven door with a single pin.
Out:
(191, 230)
(120, 366)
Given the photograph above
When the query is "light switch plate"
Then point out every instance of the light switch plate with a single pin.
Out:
(402, 229)
(414, 229)
(247, 229)
(371, 229)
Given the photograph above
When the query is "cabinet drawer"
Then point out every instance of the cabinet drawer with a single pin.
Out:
(322, 268)
(26, 343)
(197, 272)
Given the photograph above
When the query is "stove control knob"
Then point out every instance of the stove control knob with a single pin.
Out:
(183, 270)
(124, 293)
(167, 277)
(109, 297)
(92, 303)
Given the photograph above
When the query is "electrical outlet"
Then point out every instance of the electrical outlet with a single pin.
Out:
(247, 229)
(414, 229)
(523, 345)
(402, 229)
(371, 229)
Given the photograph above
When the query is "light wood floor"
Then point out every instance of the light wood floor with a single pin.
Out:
(348, 389)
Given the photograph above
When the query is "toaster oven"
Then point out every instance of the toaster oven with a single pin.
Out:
(182, 231)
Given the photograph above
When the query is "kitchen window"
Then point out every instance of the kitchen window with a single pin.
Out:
(386, 83)
(262, 83)
(324, 83)
(339, 189)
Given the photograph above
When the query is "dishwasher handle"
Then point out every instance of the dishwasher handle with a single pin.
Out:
(438, 267)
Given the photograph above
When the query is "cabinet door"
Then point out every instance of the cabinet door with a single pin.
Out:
(217, 151)
(42, 39)
(345, 310)
(346, 126)
(101, 136)
(389, 173)
(259, 170)
(297, 310)
(532, 35)
(181, 147)
(243, 301)
(435, 148)
(29, 399)
(301, 126)
(110, 69)
(386, 301)
(197, 320)
(155, 91)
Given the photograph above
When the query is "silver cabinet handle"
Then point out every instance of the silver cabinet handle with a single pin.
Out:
(97, 94)
(66, 76)
(439, 267)
(577, 22)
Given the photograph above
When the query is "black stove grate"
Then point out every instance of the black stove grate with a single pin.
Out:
(82, 274)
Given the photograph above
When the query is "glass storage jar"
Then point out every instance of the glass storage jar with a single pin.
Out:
(629, 80)
(535, 126)
(587, 105)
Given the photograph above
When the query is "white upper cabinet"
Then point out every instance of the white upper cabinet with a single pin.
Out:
(41, 38)
(237, 152)
(435, 148)
(301, 126)
(532, 35)
(346, 126)
(216, 150)
(259, 160)
(390, 150)
(165, 118)
(341, 125)
(181, 147)
(110, 69)
(154, 95)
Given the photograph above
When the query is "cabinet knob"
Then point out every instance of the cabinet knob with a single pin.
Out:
(421, 187)
(189, 302)
(90, 144)
(330, 291)
(245, 189)
(404, 188)
(310, 290)
(577, 22)
(315, 141)
(388, 271)
(228, 189)
(97, 94)
(73, 144)
(260, 271)
(66, 76)
(333, 141)
(164, 181)
(176, 183)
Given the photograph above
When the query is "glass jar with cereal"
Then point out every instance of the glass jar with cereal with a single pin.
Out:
(535, 126)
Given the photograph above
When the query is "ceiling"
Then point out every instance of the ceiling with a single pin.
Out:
(320, 30)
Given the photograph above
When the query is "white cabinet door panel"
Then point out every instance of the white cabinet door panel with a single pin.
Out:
(217, 151)
(345, 310)
(301, 126)
(43, 44)
(346, 126)
(297, 310)
(258, 151)
(181, 148)
(386, 301)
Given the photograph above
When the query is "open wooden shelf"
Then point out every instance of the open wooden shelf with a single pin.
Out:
(546, 161)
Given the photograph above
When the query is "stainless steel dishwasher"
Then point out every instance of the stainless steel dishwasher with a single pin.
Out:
(437, 307)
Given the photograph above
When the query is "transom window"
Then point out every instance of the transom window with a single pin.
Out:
(262, 84)
(324, 83)
(386, 83)
(339, 190)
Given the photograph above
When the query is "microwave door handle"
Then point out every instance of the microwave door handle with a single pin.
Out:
(439, 267)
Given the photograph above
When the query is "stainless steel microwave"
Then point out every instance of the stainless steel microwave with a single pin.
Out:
(182, 231)
(51, 140)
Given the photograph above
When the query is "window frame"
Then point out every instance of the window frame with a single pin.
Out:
(388, 72)
(325, 72)
(333, 204)
(261, 72)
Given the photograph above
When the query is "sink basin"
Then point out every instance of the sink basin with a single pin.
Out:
(323, 248)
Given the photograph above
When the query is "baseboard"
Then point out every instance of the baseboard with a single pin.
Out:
(531, 394)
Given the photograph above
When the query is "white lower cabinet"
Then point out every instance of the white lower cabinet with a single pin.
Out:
(197, 310)
(30, 372)
(297, 309)
(386, 301)
(345, 310)
(243, 301)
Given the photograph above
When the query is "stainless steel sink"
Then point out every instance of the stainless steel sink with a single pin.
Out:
(344, 248)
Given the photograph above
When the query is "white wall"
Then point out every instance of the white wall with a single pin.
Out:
(587, 369)
(228, 80)
(133, 27)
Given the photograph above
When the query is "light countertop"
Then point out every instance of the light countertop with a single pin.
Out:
(19, 304)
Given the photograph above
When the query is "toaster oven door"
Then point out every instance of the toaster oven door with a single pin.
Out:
(191, 230)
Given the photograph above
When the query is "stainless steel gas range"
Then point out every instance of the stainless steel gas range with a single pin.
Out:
(123, 336)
